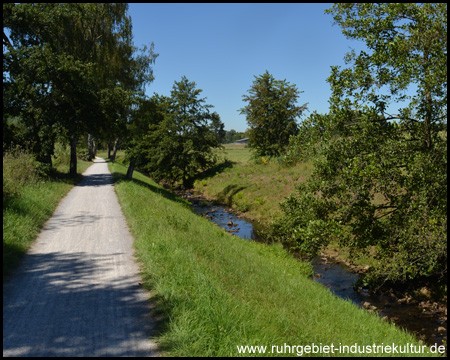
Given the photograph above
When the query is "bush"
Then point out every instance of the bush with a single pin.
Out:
(83, 154)
(19, 168)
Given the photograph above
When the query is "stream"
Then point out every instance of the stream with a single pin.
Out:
(339, 279)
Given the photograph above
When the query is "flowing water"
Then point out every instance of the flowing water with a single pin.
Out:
(339, 279)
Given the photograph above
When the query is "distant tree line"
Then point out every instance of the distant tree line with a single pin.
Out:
(232, 136)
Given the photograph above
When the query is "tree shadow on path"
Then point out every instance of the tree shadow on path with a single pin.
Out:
(58, 305)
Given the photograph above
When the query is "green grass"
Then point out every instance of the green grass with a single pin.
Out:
(25, 213)
(120, 155)
(252, 187)
(237, 153)
(256, 190)
(215, 291)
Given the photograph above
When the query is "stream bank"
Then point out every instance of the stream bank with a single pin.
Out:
(427, 321)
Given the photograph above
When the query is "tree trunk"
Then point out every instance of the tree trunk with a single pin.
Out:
(94, 148)
(91, 147)
(113, 157)
(73, 155)
(109, 150)
(48, 159)
(130, 170)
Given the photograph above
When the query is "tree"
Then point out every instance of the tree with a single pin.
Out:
(218, 127)
(232, 135)
(186, 140)
(179, 145)
(271, 114)
(145, 122)
(24, 93)
(311, 137)
(380, 180)
(65, 61)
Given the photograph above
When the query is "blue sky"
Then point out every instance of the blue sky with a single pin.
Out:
(221, 47)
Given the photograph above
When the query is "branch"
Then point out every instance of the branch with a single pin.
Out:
(6, 41)
(386, 214)
(8, 44)
(392, 117)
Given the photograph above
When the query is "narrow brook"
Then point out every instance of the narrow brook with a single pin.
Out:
(339, 279)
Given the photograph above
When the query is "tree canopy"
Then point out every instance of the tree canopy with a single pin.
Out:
(177, 135)
(380, 179)
(271, 114)
(70, 69)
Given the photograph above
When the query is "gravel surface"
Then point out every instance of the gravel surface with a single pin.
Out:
(77, 290)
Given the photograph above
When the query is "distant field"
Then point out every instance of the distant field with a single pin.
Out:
(237, 152)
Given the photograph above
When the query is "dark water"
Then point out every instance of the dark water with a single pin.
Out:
(225, 219)
(339, 279)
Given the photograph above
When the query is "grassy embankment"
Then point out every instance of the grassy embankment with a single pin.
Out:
(216, 291)
(29, 200)
(256, 188)
(253, 188)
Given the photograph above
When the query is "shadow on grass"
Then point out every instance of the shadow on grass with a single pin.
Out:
(12, 255)
(65, 177)
(118, 178)
(217, 169)
(17, 242)
(227, 194)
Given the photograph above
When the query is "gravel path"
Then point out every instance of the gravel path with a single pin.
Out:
(77, 290)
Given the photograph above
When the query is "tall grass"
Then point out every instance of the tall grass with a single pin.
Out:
(216, 291)
(29, 199)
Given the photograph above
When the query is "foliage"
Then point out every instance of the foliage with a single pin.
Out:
(271, 114)
(70, 69)
(61, 155)
(145, 118)
(19, 168)
(173, 139)
(232, 135)
(217, 127)
(83, 154)
(380, 180)
(309, 140)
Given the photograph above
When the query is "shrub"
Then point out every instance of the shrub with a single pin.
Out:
(19, 169)
(83, 154)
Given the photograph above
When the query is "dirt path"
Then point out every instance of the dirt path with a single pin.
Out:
(76, 292)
